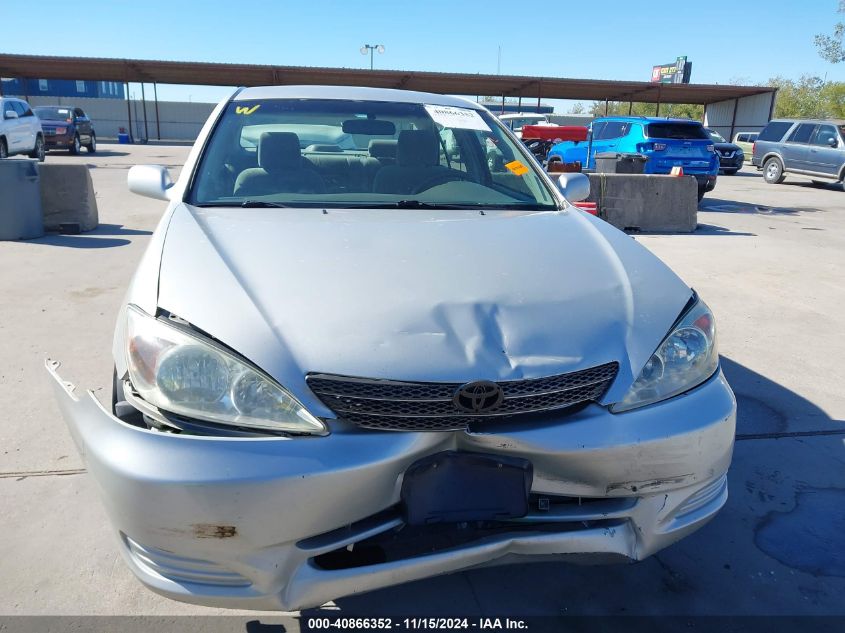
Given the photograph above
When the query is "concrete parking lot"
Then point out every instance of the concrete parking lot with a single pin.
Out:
(769, 260)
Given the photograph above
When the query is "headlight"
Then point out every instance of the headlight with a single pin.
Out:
(186, 374)
(685, 359)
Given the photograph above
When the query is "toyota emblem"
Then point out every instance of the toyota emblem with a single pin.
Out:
(480, 396)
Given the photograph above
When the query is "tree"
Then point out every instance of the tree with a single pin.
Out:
(809, 97)
(577, 108)
(677, 110)
(830, 46)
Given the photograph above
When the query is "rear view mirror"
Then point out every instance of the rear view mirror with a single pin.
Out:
(370, 127)
(574, 187)
(152, 181)
(11, 114)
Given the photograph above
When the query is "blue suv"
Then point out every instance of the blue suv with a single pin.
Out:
(667, 143)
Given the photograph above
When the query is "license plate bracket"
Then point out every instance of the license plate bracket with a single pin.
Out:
(453, 486)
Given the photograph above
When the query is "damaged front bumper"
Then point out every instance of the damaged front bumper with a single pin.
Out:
(276, 523)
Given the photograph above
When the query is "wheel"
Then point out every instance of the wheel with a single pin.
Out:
(701, 192)
(39, 151)
(4, 151)
(76, 147)
(773, 171)
(92, 146)
(730, 172)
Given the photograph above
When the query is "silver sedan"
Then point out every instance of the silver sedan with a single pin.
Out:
(357, 353)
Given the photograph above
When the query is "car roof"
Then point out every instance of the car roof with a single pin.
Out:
(828, 121)
(354, 93)
(645, 119)
(521, 115)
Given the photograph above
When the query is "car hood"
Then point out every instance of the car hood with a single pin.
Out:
(418, 295)
(727, 147)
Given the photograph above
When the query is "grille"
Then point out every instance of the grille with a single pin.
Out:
(428, 406)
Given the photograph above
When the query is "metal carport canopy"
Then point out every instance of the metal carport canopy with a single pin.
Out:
(214, 74)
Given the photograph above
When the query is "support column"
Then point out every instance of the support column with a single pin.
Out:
(733, 121)
(128, 113)
(630, 107)
(158, 121)
(144, 104)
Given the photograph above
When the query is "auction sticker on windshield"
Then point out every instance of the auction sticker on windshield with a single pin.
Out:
(460, 118)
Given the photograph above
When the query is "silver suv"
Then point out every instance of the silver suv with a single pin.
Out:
(20, 130)
(814, 148)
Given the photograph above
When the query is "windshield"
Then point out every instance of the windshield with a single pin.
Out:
(716, 136)
(335, 153)
(685, 131)
(49, 113)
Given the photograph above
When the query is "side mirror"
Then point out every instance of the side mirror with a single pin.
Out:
(832, 142)
(574, 187)
(152, 181)
(10, 114)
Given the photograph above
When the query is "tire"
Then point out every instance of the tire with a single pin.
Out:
(39, 152)
(4, 150)
(92, 145)
(701, 192)
(773, 171)
(76, 147)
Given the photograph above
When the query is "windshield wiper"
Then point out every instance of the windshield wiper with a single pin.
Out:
(262, 204)
(417, 204)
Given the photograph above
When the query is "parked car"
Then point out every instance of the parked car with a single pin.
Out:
(813, 148)
(335, 374)
(731, 156)
(516, 121)
(745, 141)
(67, 127)
(667, 143)
(20, 130)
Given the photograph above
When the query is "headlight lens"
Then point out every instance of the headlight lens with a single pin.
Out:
(685, 359)
(183, 373)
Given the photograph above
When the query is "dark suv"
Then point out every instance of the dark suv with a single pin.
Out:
(814, 148)
(66, 127)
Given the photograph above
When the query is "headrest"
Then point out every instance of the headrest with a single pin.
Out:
(317, 147)
(278, 151)
(382, 148)
(417, 148)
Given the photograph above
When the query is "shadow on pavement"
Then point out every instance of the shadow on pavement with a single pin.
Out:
(98, 238)
(718, 205)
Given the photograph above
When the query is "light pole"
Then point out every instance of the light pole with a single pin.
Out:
(372, 48)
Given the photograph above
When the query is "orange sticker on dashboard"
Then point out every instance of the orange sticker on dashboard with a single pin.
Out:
(515, 167)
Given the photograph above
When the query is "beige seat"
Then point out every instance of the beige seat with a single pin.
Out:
(281, 169)
(417, 163)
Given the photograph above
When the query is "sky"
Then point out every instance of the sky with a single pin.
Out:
(727, 41)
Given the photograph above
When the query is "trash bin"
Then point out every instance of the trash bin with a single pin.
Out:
(20, 200)
(616, 163)
(123, 138)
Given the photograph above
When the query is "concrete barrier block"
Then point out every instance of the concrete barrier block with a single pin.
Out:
(67, 196)
(646, 202)
(20, 200)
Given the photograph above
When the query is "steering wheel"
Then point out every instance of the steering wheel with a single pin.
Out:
(440, 179)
